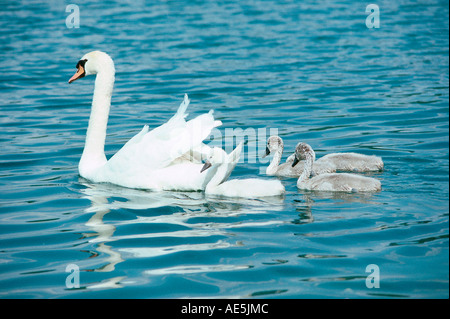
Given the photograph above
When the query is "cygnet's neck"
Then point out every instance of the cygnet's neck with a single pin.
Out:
(308, 167)
(272, 168)
(221, 171)
(94, 150)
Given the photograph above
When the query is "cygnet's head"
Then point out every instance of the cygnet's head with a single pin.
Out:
(92, 63)
(274, 143)
(302, 151)
(216, 156)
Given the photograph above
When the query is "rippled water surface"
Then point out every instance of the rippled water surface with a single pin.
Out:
(311, 70)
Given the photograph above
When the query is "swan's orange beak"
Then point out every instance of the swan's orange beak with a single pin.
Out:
(79, 74)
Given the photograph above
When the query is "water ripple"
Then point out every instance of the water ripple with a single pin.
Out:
(311, 70)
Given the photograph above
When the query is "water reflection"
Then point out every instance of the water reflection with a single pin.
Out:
(308, 200)
(190, 210)
(142, 199)
(310, 197)
(193, 213)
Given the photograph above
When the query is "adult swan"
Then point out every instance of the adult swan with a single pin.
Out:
(165, 158)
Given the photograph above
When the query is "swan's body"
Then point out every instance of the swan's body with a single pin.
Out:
(219, 162)
(165, 158)
(275, 146)
(330, 163)
(336, 182)
(353, 162)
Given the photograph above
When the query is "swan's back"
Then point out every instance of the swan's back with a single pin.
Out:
(353, 162)
(158, 148)
(344, 182)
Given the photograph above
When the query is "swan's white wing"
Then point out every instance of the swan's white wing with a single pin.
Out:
(197, 154)
(181, 140)
(138, 137)
(154, 151)
(147, 152)
(176, 120)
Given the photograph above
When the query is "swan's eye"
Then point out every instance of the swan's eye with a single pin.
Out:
(82, 63)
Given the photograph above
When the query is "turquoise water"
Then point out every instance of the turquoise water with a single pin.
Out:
(312, 71)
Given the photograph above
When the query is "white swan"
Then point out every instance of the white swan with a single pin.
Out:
(219, 163)
(165, 158)
(330, 181)
(275, 146)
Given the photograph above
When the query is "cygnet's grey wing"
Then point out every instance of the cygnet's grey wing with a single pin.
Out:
(286, 169)
(353, 162)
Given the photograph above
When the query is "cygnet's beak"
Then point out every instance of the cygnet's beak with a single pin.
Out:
(296, 160)
(206, 166)
(80, 71)
(266, 153)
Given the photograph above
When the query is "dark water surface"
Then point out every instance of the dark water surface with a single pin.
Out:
(312, 71)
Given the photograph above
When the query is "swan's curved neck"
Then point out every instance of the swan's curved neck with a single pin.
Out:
(94, 149)
(308, 166)
(219, 175)
(272, 168)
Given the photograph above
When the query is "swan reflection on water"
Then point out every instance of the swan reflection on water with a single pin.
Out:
(128, 198)
(194, 212)
(173, 208)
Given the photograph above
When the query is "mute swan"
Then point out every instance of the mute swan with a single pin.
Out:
(275, 146)
(165, 158)
(219, 163)
(330, 181)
